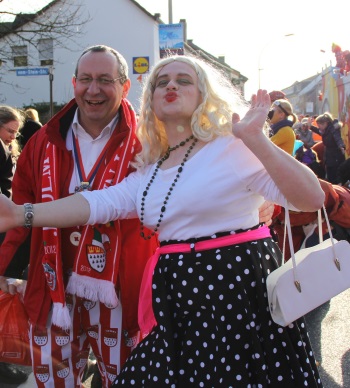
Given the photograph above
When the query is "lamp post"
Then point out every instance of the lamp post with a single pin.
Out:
(170, 11)
(262, 51)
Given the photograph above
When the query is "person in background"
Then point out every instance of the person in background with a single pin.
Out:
(83, 282)
(203, 297)
(277, 95)
(316, 136)
(309, 157)
(11, 121)
(282, 133)
(334, 147)
(305, 134)
(31, 125)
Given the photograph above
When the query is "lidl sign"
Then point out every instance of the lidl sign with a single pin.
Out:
(140, 65)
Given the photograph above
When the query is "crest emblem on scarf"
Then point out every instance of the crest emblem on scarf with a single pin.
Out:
(62, 369)
(110, 337)
(111, 372)
(62, 337)
(50, 275)
(96, 252)
(42, 373)
(40, 336)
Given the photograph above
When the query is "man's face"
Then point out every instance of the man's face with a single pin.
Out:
(98, 101)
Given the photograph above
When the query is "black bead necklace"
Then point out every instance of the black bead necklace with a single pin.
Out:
(171, 188)
(181, 144)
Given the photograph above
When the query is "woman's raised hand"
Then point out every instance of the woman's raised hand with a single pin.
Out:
(254, 120)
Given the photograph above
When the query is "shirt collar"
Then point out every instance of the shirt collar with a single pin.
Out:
(107, 130)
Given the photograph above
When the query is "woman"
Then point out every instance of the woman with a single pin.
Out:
(200, 185)
(282, 133)
(31, 125)
(334, 151)
(11, 122)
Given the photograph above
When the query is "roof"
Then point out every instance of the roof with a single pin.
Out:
(311, 85)
(22, 19)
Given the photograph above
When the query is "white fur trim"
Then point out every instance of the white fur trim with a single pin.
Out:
(60, 316)
(93, 289)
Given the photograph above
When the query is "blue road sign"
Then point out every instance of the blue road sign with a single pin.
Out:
(35, 71)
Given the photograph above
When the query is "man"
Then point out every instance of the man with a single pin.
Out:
(83, 283)
(305, 134)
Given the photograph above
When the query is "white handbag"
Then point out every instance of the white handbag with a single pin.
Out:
(310, 278)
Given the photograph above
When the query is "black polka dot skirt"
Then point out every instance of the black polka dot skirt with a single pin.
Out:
(214, 325)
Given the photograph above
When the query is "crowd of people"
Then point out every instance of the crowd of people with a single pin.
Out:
(143, 240)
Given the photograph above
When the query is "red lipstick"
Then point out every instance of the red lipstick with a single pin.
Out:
(171, 96)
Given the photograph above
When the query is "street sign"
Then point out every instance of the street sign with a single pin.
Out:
(35, 71)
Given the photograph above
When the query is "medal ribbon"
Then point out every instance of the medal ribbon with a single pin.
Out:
(85, 182)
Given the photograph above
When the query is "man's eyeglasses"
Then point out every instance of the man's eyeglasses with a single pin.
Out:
(12, 132)
(102, 81)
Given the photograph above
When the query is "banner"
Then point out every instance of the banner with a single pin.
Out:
(171, 39)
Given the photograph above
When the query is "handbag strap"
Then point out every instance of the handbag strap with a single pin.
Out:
(291, 246)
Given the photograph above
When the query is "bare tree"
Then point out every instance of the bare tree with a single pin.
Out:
(61, 21)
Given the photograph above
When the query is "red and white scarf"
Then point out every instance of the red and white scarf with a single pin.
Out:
(96, 262)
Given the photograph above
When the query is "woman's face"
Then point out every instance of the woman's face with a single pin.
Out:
(9, 132)
(176, 95)
(322, 126)
(277, 115)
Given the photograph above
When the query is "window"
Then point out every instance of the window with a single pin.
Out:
(20, 56)
(45, 47)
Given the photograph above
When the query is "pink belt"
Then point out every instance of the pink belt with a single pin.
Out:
(146, 316)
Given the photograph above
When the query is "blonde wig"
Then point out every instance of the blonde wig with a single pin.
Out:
(212, 118)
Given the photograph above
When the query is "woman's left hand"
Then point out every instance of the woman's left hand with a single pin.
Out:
(254, 120)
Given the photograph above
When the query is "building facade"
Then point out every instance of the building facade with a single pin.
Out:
(41, 70)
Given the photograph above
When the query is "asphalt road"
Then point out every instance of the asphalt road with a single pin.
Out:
(329, 330)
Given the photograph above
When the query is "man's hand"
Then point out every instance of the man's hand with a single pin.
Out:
(12, 286)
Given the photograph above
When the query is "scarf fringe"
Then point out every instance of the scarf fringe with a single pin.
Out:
(93, 289)
(60, 316)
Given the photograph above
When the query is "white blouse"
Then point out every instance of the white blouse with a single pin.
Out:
(220, 189)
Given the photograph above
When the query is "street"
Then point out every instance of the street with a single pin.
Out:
(329, 329)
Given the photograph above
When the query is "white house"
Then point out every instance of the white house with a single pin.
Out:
(122, 24)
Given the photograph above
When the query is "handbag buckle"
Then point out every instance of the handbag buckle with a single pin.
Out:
(337, 263)
(297, 285)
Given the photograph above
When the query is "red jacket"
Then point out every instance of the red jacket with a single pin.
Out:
(27, 188)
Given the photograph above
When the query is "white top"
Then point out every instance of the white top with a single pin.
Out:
(220, 189)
